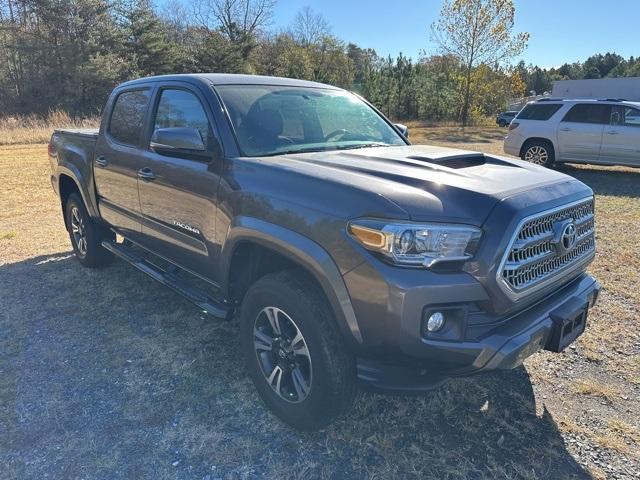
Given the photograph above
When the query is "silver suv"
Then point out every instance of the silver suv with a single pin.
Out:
(604, 132)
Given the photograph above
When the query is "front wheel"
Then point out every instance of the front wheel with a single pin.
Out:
(539, 152)
(294, 353)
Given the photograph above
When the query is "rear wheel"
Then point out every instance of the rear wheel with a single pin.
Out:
(86, 237)
(539, 152)
(294, 352)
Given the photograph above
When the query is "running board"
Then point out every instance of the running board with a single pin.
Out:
(194, 295)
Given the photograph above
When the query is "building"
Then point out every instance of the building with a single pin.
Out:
(626, 88)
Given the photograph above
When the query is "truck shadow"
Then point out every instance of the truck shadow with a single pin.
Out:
(109, 375)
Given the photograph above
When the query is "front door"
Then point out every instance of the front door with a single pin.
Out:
(580, 132)
(621, 139)
(117, 160)
(178, 187)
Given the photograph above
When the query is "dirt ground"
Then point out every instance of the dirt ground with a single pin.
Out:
(106, 374)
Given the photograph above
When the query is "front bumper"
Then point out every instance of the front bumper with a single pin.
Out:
(504, 344)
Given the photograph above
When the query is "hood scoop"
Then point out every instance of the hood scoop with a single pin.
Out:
(455, 162)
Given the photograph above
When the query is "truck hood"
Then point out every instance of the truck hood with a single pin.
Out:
(427, 182)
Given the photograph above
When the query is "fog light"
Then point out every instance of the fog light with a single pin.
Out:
(435, 321)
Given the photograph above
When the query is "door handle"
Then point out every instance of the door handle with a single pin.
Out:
(612, 132)
(102, 162)
(565, 129)
(146, 174)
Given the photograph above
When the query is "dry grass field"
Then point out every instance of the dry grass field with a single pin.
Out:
(30, 129)
(106, 374)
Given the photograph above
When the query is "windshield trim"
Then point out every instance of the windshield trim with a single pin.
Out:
(327, 87)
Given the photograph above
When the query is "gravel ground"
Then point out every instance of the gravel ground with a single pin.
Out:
(106, 374)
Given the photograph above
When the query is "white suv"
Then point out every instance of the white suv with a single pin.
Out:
(606, 132)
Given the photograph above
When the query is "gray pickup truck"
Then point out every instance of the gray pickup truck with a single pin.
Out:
(348, 255)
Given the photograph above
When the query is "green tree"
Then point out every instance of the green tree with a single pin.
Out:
(477, 32)
(145, 42)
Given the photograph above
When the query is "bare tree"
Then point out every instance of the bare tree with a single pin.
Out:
(310, 27)
(236, 19)
(477, 32)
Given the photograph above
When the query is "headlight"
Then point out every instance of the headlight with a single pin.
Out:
(417, 244)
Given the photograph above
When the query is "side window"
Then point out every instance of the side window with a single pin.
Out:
(631, 117)
(625, 116)
(588, 113)
(539, 111)
(127, 116)
(180, 108)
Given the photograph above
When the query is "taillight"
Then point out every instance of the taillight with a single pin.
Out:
(513, 125)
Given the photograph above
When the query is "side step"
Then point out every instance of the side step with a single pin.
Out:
(194, 295)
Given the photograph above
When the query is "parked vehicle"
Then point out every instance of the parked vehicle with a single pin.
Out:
(605, 132)
(503, 119)
(348, 255)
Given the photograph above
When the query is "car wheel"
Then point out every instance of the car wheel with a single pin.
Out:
(502, 123)
(85, 235)
(294, 353)
(539, 152)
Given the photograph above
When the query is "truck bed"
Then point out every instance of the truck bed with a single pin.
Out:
(82, 132)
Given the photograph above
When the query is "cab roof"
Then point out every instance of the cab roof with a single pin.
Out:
(232, 79)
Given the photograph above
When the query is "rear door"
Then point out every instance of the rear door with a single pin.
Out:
(117, 159)
(621, 139)
(178, 188)
(580, 132)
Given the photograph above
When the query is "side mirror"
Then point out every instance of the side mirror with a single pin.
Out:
(404, 130)
(165, 140)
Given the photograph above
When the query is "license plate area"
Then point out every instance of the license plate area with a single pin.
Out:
(568, 324)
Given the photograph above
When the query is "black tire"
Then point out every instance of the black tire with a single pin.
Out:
(332, 385)
(539, 152)
(502, 123)
(87, 241)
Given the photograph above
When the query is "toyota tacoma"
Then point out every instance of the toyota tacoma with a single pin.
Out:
(348, 256)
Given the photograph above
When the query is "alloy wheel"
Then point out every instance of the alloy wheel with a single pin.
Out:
(79, 231)
(537, 155)
(283, 354)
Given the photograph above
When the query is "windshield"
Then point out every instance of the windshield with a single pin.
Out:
(273, 120)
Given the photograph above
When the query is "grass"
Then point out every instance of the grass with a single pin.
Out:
(33, 129)
(598, 389)
(106, 374)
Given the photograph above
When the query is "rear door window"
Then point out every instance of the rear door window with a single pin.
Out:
(539, 111)
(127, 116)
(588, 113)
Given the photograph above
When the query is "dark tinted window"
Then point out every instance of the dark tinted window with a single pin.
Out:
(539, 111)
(180, 108)
(627, 116)
(588, 113)
(127, 116)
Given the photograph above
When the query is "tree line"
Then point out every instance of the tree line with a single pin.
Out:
(69, 54)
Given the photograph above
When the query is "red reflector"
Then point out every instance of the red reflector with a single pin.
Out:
(513, 125)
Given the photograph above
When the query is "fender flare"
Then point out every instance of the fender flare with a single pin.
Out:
(70, 170)
(302, 251)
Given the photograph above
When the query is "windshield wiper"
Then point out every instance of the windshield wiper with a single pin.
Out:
(299, 150)
(324, 149)
(365, 145)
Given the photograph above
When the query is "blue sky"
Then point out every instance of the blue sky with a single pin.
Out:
(561, 30)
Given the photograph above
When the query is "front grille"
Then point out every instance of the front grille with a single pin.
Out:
(535, 256)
